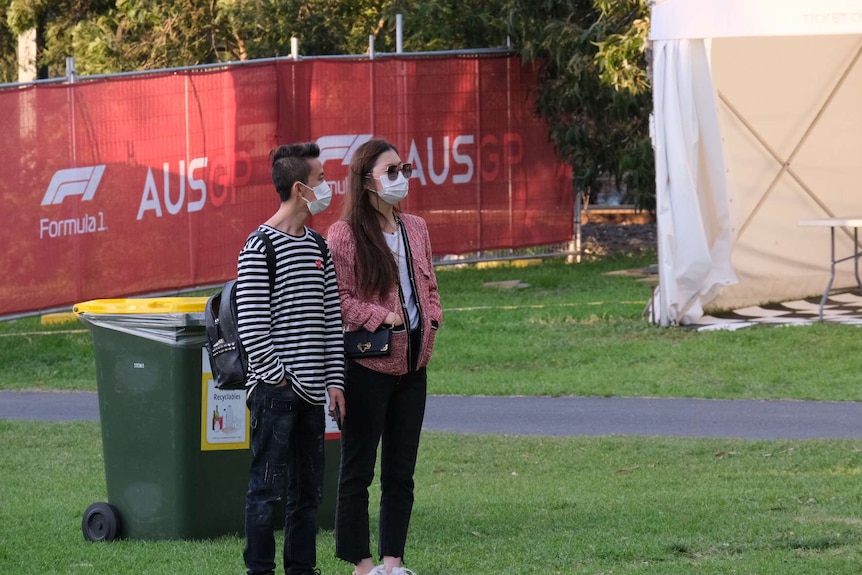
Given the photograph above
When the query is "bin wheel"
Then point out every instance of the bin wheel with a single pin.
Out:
(101, 522)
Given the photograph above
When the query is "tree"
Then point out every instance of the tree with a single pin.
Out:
(593, 90)
(343, 26)
(590, 54)
(145, 35)
(54, 22)
(255, 29)
(8, 48)
(108, 36)
(451, 24)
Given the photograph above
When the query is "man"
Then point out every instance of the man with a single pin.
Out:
(294, 341)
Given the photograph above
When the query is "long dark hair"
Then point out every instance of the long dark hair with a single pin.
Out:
(377, 269)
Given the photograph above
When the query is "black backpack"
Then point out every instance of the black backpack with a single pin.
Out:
(228, 359)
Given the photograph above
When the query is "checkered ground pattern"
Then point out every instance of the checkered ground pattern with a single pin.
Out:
(843, 308)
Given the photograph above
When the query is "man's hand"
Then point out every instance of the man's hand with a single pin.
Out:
(336, 398)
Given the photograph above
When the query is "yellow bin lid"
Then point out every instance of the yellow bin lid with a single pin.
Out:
(150, 306)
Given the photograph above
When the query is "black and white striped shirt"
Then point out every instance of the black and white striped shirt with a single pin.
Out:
(297, 332)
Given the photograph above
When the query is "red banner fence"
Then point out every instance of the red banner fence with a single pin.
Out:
(150, 183)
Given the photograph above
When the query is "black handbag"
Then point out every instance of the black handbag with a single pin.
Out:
(364, 343)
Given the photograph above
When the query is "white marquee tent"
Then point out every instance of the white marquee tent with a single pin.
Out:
(757, 125)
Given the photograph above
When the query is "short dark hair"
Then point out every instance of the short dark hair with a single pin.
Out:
(290, 165)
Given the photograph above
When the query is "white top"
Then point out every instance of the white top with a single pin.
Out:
(396, 244)
(846, 222)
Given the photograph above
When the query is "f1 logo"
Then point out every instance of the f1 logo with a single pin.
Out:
(73, 182)
(340, 147)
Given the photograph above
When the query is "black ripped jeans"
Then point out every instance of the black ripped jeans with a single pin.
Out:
(287, 464)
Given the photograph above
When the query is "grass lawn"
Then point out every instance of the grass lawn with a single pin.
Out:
(499, 504)
(571, 331)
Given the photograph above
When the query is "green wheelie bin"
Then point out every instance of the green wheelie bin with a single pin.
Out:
(176, 449)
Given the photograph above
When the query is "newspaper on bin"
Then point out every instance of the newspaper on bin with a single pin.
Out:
(159, 319)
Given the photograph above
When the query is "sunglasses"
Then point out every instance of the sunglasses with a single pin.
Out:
(392, 171)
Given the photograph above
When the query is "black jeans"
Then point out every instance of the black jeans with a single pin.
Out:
(287, 465)
(391, 407)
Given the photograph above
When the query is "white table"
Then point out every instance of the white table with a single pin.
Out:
(832, 223)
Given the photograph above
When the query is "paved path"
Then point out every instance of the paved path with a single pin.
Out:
(559, 416)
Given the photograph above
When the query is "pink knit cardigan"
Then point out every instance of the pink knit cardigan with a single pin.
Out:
(369, 312)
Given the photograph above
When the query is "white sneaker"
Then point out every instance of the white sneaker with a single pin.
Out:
(378, 570)
(402, 571)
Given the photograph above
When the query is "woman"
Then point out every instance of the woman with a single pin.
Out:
(385, 276)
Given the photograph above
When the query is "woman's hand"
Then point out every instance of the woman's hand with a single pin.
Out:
(393, 319)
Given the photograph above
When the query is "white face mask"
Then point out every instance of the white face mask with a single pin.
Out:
(394, 192)
(323, 193)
